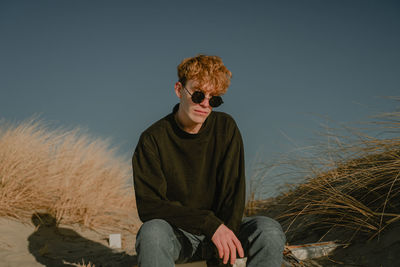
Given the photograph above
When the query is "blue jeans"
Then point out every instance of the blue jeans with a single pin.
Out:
(159, 244)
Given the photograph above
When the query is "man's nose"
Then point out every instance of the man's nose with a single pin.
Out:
(205, 103)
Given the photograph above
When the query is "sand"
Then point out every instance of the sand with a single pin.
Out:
(362, 251)
(383, 251)
(49, 245)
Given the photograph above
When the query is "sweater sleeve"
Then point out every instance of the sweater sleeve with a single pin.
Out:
(232, 184)
(150, 191)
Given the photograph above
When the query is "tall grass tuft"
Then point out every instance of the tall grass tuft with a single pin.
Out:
(351, 182)
(74, 178)
(85, 265)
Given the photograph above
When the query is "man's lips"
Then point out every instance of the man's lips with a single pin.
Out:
(201, 112)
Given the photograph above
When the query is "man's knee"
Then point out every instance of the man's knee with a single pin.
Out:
(155, 232)
(270, 231)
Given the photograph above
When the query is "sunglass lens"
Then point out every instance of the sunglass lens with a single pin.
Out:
(198, 97)
(216, 101)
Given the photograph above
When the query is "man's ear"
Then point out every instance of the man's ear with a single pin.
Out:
(178, 88)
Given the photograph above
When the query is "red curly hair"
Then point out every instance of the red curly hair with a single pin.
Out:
(205, 70)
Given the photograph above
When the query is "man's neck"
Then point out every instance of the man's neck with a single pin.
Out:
(185, 125)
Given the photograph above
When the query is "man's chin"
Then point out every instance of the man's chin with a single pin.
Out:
(197, 121)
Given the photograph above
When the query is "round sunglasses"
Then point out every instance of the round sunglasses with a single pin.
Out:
(198, 97)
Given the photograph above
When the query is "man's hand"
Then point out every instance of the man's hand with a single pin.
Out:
(227, 244)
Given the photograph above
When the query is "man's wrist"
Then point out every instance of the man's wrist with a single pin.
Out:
(211, 225)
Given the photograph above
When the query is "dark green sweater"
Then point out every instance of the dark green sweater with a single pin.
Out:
(193, 181)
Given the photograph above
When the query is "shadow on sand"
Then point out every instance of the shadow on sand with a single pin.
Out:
(55, 246)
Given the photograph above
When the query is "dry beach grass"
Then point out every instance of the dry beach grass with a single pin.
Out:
(350, 191)
(67, 174)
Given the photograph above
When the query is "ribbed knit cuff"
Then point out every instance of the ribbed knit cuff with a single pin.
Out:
(211, 224)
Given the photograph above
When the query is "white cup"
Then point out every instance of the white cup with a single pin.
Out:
(115, 240)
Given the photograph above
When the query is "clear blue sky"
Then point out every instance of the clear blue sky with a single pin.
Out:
(110, 66)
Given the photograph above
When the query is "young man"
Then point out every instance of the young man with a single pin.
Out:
(189, 180)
